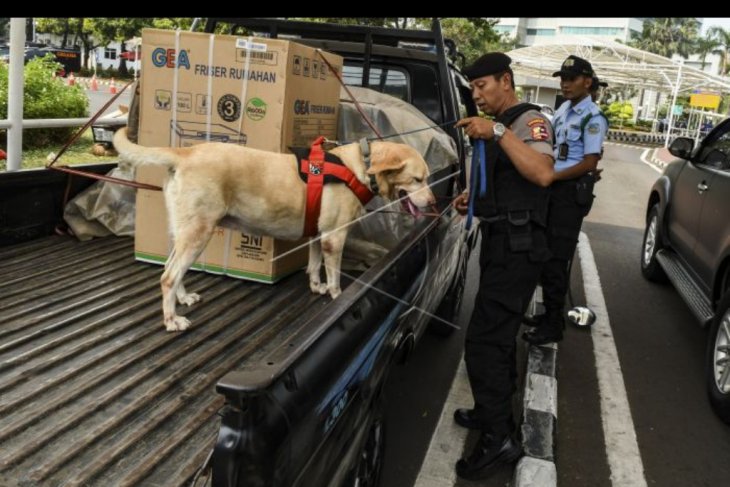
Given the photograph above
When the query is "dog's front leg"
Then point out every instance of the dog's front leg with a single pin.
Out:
(184, 297)
(332, 245)
(314, 266)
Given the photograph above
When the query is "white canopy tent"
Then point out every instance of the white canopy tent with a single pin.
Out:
(619, 64)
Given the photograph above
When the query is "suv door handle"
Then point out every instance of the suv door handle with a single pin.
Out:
(702, 187)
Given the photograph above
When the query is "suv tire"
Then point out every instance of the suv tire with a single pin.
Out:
(717, 365)
(651, 244)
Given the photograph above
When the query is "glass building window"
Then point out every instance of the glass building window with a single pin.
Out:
(540, 32)
(595, 31)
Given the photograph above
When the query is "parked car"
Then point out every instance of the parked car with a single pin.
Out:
(687, 241)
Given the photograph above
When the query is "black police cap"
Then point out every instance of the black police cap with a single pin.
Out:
(575, 66)
(490, 63)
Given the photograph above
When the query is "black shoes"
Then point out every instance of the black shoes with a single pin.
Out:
(535, 320)
(465, 418)
(487, 454)
(542, 335)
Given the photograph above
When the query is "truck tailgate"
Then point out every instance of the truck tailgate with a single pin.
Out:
(93, 390)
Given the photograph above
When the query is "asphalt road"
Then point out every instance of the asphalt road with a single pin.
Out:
(97, 99)
(660, 349)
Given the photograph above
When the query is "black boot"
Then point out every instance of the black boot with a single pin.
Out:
(466, 419)
(542, 335)
(536, 320)
(487, 454)
(550, 329)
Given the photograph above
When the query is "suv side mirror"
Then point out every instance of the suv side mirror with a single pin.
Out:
(682, 147)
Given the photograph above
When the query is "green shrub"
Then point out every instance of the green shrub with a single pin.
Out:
(44, 97)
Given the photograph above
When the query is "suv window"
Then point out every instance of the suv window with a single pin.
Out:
(715, 152)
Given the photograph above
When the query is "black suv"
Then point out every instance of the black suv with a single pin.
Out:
(687, 241)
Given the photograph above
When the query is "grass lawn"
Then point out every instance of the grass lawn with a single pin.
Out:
(78, 153)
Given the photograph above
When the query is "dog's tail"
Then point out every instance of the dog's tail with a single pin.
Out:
(137, 154)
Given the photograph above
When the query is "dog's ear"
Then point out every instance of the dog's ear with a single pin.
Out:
(380, 167)
(328, 145)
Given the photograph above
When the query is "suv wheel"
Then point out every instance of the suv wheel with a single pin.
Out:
(369, 465)
(650, 268)
(718, 360)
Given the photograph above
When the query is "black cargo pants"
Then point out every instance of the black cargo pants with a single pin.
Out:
(570, 202)
(507, 281)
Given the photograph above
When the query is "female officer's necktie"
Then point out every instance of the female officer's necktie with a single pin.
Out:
(478, 164)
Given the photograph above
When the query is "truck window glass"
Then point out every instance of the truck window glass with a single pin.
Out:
(390, 81)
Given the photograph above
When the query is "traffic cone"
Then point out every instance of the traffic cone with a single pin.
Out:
(113, 87)
(94, 85)
(71, 79)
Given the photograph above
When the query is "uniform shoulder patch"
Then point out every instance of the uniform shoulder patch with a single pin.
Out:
(536, 121)
(594, 128)
(539, 131)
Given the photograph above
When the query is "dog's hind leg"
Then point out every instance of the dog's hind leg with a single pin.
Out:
(314, 266)
(190, 240)
(183, 297)
(332, 245)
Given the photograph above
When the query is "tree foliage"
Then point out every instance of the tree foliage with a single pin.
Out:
(667, 36)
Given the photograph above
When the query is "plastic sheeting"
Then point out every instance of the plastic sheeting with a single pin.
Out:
(383, 227)
(103, 208)
(107, 208)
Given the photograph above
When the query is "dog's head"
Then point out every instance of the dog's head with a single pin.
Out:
(401, 172)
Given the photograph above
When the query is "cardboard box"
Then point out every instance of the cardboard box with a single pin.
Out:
(266, 94)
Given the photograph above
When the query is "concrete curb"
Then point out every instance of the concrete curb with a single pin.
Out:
(631, 137)
(540, 418)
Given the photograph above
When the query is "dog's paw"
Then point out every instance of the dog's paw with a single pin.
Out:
(177, 323)
(318, 288)
(189, 299)
(334, 292)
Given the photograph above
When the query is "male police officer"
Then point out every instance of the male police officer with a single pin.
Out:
(579, 132)
(514, 246)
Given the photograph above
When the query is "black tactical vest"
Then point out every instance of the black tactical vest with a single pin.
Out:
(507, 191)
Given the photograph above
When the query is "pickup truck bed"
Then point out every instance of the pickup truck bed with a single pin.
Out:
(94, 391)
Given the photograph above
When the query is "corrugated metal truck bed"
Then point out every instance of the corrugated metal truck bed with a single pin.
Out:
(93, 390)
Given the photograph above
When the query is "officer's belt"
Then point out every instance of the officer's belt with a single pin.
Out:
(517, 217)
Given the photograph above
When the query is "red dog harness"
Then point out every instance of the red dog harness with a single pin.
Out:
(316, 168)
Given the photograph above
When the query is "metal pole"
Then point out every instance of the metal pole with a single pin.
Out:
(15, 93)
(674, 101)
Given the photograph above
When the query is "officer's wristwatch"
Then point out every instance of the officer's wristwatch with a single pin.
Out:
(498, 129)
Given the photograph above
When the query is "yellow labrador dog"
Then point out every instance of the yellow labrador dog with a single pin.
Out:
(262, 193)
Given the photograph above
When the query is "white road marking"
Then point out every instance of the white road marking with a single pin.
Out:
(648, 163)
(622, 449)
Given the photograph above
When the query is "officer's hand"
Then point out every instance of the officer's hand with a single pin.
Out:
(477, 127)
(461, 203)
(597, 174)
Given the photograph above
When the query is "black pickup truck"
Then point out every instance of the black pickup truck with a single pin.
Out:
(274, 386)
(687, 241)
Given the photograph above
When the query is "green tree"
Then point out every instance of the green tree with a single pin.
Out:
(4, 27)
(704, 46)
(722, 39)
(667, 36)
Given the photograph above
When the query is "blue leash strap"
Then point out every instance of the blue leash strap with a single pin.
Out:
(478, 164)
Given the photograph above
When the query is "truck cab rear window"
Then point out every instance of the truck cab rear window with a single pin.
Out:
(393, 82)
